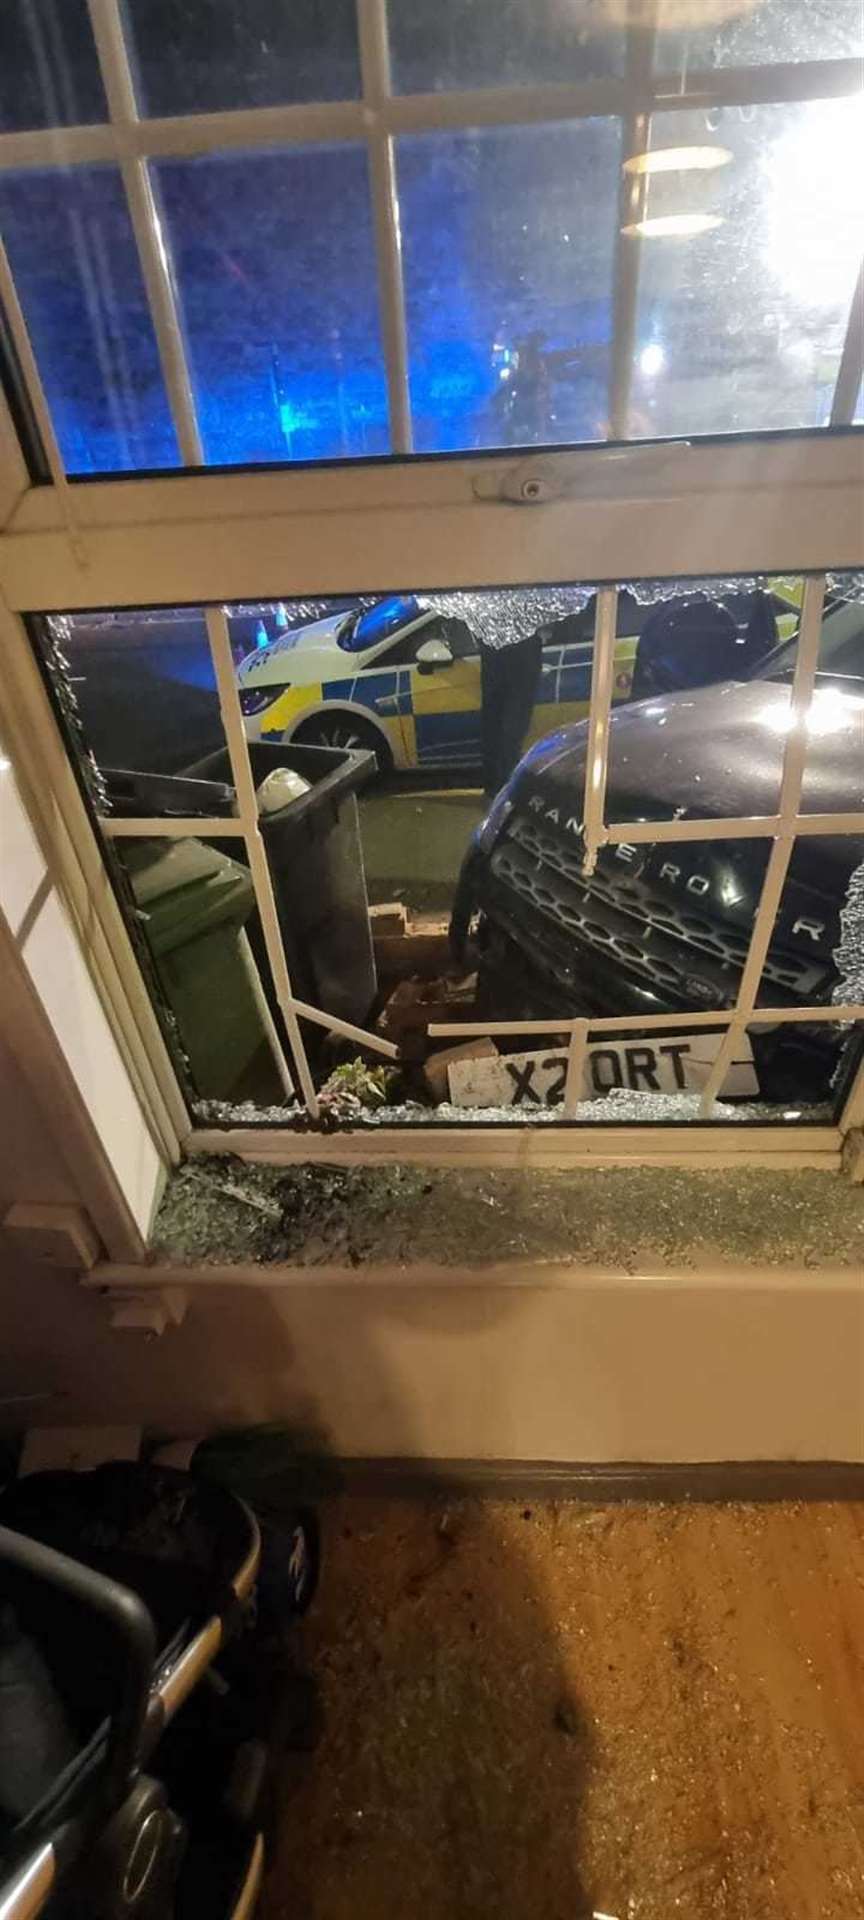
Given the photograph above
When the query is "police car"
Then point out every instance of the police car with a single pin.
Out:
(403, 679)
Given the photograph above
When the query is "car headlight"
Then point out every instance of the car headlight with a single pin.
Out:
(255, 699)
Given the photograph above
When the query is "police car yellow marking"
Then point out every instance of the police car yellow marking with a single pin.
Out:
(289, 705)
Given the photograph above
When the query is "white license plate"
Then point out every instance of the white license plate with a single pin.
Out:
(675, 1063)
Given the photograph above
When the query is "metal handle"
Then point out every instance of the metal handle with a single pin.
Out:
(123, 1616)
(176, 1685)
(26, 1895)
(245, 1904)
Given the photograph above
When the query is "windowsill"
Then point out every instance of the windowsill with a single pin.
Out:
(226, 1214)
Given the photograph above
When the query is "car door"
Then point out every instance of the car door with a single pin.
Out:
(568, 652)
(438, 701)
(445, 709)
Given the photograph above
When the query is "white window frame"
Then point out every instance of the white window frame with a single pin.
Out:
(770, 504)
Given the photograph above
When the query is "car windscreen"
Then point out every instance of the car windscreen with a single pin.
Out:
(841, 651)
(370, 625)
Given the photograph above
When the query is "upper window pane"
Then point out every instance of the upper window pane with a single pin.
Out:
(489, 43)
(744, 298)
(196, 56)
(508, 238)
(761, 32)
(73, 255)
(49, 73)
(274, 262)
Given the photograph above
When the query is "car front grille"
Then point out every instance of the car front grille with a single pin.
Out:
(659, 945)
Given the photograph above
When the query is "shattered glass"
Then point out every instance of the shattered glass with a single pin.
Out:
(849, 955)
(167, 649)
(502, 616)
(618, 1108)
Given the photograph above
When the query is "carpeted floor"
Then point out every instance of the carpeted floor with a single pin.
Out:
(560, 1711)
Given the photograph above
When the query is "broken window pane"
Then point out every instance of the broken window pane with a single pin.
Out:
(409, 715)
(275, 269)
(508, 241)
(747, 268)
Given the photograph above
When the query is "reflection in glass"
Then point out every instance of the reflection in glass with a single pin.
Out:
(49, 72)
(73, 255)
(741, 323)
(143, 685)
(508, 241)
(197, 56)
(274, 263)
(491, 43)
(744, 33)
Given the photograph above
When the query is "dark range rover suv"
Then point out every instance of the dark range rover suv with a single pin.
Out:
(666, 928)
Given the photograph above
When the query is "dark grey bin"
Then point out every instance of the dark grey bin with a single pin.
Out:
(316, 859)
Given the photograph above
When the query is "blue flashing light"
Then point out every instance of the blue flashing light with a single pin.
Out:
(378, 622)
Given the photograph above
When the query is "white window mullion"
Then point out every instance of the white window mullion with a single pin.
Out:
(836, 1015)
(792, 778)
(597, 752)
(300, 123)
(851, 370)
(58, 147)
(247, 810)
(375, 69)
(292, 1009)
(853, 1112)
(771, 85)
(635, 135)
(757, 827)
(120, 93)
(30, 374)
(14, 476)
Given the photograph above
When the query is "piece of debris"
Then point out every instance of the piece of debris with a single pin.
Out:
(419, 947)
(436, 1070)
(415, 1003)
(389, 919)
(235, 1192)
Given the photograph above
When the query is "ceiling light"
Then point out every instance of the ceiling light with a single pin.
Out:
(678, 226)
(678, 160)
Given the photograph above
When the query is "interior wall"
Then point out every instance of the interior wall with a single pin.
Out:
(703, 1370)
(42, 939)
(31, 1164)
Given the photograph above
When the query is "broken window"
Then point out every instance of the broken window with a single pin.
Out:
(259, 236)
(468, 937)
